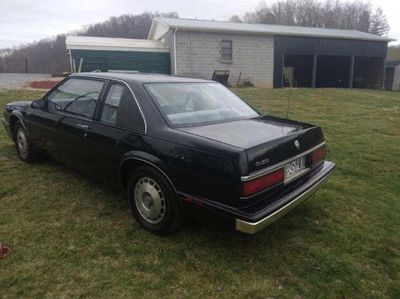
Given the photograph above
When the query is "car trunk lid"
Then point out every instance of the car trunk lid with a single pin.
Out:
(267, 140)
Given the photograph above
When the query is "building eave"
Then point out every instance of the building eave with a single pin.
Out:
(273, 30)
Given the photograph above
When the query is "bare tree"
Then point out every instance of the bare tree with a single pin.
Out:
(235, 18)
(125, 26)
(355, 15)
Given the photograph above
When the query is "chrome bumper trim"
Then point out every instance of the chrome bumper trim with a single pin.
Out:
(274, 167)
(254, 227)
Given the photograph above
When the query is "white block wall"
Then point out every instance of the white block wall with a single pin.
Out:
(198, 55)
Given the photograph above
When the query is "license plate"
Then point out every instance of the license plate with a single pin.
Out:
(294, 168)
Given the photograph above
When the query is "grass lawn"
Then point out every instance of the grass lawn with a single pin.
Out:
(74, 237)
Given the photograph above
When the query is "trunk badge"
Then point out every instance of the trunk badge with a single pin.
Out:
(297, 144)
(262, 162)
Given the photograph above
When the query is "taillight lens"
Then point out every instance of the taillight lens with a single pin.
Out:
(262, 183)
(319, 154)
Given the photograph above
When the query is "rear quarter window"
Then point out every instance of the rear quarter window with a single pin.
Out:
(120, 109)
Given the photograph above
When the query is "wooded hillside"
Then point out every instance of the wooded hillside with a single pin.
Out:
(50, 55)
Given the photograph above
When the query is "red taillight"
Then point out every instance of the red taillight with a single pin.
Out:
(319, 154)
(262, 183)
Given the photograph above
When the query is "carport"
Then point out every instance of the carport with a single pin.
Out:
(330, 62)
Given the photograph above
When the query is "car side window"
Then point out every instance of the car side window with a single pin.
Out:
(120, 109)
(111, 104)
(76, 96)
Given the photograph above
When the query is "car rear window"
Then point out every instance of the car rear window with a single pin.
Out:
(190, 104)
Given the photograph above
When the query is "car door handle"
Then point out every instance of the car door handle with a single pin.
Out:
(83, 127)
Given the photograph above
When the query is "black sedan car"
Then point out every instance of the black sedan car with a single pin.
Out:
(177, 145)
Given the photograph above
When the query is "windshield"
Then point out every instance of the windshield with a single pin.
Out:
(186, 104)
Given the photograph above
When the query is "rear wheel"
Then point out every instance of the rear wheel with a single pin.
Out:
(153, 201)
(22, 143)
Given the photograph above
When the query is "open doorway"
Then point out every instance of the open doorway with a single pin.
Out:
(368, 72)
(333, 71)
(297, 70)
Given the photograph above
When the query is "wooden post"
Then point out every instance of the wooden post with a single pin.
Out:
(314, 71)
(383, 78)
(351, 73)
(26, 65)
(80, 65)
(282, 70)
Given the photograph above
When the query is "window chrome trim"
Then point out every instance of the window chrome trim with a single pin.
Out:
(274, 167)
(126, 84)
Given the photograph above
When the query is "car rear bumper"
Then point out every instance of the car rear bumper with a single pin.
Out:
(254, 218)
(296, 199)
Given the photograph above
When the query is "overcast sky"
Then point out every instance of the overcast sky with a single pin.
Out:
(24, 21)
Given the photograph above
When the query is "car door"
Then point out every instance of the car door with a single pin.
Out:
(44, 121)
(119, 127)
(71, 107)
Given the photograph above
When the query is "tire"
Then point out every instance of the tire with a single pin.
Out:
(153, 201)
(23, 144)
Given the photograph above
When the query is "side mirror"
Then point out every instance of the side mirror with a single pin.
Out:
(38, 104)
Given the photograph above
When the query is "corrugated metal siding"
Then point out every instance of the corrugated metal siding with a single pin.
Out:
(147, 62)
(322, 46)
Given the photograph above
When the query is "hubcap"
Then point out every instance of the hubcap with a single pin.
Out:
(22, 143)
(149, 200)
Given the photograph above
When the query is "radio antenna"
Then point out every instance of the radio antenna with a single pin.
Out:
(288, 105)
(288, 102)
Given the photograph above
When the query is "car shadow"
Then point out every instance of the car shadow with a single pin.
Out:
(203, 235)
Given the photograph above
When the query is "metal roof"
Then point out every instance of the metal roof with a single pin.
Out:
(74, 42)
(221, 26)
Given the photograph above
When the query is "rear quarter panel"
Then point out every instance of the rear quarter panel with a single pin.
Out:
(199, 168)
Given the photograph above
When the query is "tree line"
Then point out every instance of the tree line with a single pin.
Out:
(50, 55)
(356, 15)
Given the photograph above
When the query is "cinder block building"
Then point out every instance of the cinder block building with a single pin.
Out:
(265, 55)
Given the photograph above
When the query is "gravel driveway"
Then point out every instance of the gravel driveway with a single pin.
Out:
(17, 81)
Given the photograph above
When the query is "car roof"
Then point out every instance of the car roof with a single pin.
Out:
(139, 77)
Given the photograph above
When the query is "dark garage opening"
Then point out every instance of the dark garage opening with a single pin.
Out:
(297, 70)
(336, 61)
(368, 72)
(333, 71)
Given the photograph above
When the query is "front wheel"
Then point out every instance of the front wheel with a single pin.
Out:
(22, 143)
(153, 201)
